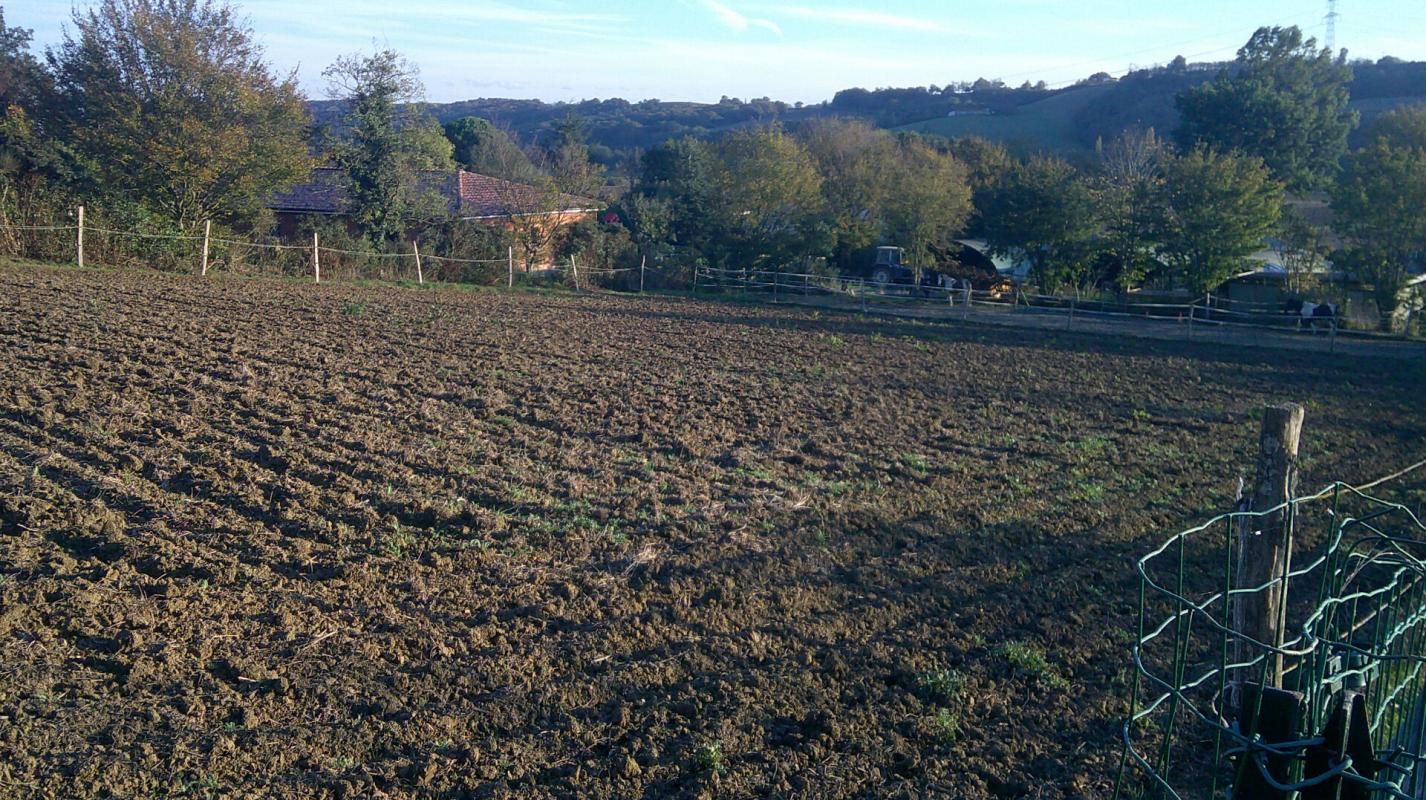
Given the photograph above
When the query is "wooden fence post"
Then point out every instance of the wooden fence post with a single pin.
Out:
(415, 248)
(643, 262)
(207, 230)
(316, 260)
(510, 257)
(575, 267)
(79, 241)
(1265, 543)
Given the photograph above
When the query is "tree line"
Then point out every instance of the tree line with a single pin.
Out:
(163, 115)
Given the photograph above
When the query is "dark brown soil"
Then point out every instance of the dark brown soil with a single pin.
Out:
(261, 539)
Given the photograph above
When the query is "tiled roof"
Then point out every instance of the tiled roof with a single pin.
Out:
(483, 197)
(472, 196)
(325, 193)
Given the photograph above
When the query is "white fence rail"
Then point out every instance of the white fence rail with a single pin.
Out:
(959, 298)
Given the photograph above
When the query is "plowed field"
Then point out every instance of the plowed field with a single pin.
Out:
(263, 539)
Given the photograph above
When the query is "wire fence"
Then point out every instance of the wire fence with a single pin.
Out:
(945, 296)
(951, 298)
(1347, 717)
(273, 257)
(265, 256)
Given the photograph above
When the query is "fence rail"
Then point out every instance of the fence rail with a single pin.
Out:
(1204, 312)
(315, 259)
(1334, 705)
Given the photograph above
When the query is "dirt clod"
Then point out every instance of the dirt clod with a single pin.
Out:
(489, 545)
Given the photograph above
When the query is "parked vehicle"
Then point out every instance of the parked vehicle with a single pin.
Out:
(954, 270)
(884, 267)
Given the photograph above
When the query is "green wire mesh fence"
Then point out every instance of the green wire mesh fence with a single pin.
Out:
(1338, 709)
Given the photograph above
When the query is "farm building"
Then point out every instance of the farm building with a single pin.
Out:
(469, 196)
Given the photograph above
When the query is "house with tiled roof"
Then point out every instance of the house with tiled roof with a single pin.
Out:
(469, 195)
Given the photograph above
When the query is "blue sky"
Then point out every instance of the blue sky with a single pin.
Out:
(802, 50)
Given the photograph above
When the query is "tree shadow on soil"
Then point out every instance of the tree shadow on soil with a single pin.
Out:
(953, 331)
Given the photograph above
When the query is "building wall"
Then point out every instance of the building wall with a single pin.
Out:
(543, 228)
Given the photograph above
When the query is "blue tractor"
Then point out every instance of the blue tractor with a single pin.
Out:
(887, 269)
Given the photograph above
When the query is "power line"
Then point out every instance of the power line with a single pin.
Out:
(1332, 17)
(1069, 66)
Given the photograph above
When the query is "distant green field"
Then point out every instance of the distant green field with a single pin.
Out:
(1045, 124)
(1049, 124)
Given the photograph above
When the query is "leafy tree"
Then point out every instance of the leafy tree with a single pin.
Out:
(566, 158)
(1302, 249)
(29, 156)
(598, 245)
(22, 77)
(928, 201)
(1043, 210)
(172, 106)
(1218, 208)
(858, 164)
(767, 200)
(1283, 100)
(1402, 127)
(426, 144)
(1126, 195)
(682, 175)
(1379, 201)
(986, 161)
(386, 142)
(650, 222)
(482, 147)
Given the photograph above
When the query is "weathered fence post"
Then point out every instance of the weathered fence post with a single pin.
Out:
(510, 261)
(316, 260)
(207, 230)
(420, 277)
(79, 241)
(1265, 550)
(969, 299)
(643, 262)
(574, 267)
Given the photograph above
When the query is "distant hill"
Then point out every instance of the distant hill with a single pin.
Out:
(614, 128)
(1048, 124)
(1071, 121)
(1029, 118)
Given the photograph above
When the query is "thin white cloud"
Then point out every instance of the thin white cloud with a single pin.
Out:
(739, 22)
(861, 17)
(421, 14)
